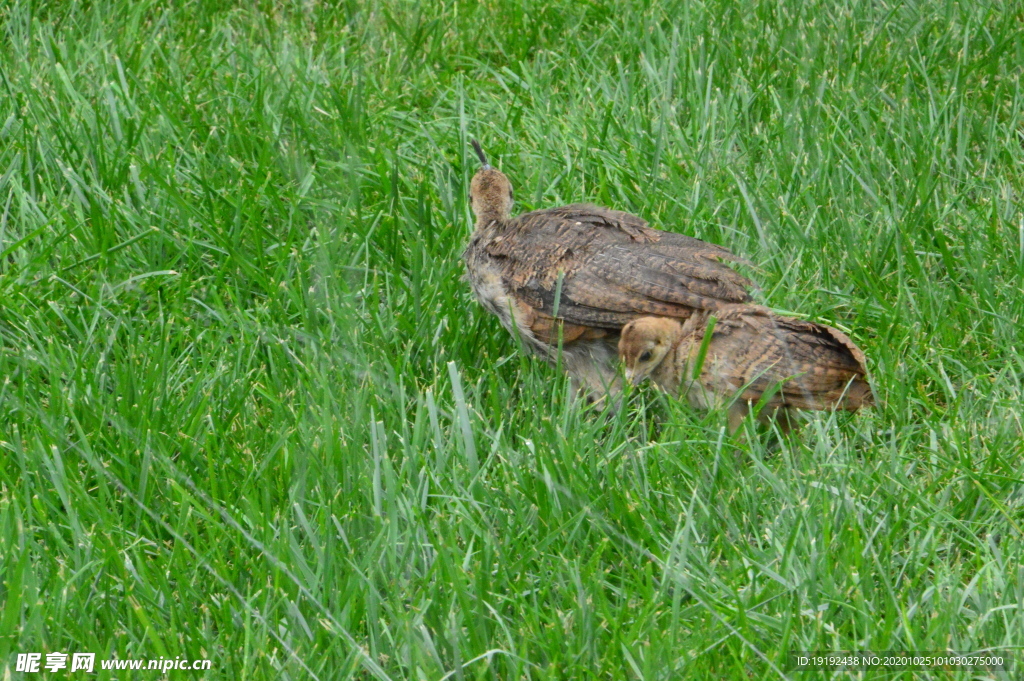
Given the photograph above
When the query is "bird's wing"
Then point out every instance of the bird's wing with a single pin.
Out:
(613, 267)
(814, 363)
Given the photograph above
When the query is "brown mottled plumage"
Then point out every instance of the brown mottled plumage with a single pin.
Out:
(749, 352)
(609, 266)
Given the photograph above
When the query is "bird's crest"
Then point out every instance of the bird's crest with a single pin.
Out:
(480, 154)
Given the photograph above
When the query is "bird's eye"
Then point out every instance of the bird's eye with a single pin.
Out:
(510, 195)
(645, 356)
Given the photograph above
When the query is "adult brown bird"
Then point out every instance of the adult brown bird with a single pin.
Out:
(578, 273)
(749, 351)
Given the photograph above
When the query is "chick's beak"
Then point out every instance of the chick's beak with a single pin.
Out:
(632, 378)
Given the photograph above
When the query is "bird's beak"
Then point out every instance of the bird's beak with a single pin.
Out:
(632, 378)
(480, 154)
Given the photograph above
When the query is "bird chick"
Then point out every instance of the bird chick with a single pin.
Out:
(643, 347)
(570, 277)
(749, 353)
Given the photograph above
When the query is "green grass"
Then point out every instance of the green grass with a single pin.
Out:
(249, 411)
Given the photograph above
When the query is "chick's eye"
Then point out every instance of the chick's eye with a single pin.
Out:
(645, 356)
(510, 195)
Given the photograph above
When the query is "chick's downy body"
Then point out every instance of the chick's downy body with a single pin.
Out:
(605, 268)
(749, 352)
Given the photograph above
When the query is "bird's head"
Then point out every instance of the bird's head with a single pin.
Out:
(490, 192)
(644, 343)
